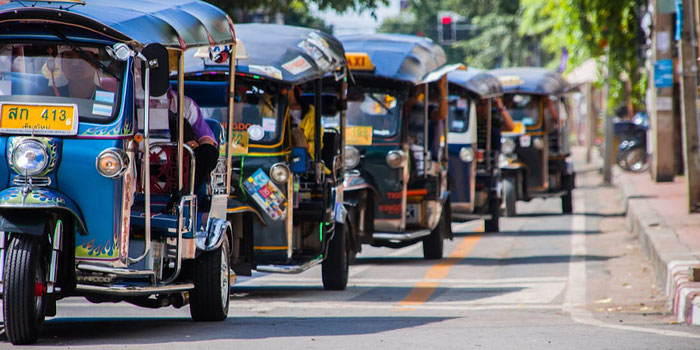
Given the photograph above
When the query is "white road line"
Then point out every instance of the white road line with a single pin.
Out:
(356, 270)
(575, 299)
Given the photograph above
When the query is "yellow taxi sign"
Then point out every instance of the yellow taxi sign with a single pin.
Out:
(359, 61)
(510, 80)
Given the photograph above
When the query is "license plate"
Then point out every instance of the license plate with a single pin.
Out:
(358, 135)
(239, 143)
(38, 119)
(413, 213)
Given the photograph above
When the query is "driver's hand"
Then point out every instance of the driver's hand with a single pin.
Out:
(193, 144)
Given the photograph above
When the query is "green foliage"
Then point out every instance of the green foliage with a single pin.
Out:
(496, 42)
(607, 30)
(242, 7)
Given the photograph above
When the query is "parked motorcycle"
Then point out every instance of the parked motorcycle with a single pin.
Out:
(632, 151)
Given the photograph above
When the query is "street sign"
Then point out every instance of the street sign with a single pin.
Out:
(663, 73)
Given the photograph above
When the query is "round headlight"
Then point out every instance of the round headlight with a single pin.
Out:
(30, 157)
(538, 143)
(352, 157)
(466, 154)
(112, 163)
(508, 146)
(279, 173)
(395, 159)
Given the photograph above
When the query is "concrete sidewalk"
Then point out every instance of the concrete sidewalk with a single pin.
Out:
(657, 213)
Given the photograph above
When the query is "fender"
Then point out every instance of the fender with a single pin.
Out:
(237, 207)
(21, 209)
(213, 236)
(360, 181)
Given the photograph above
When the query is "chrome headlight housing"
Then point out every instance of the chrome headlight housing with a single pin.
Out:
(538, 143)
(112, 163)
(396, 159)
(30, 157)
(508, 146)
(352, 157)
(466, 154)
(279, 173)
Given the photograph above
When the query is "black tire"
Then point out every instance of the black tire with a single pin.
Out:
(493, 224)
(336, 265)
(567, 200)
(510, 195)
(433, 244)
(25, 273)
(209, 300)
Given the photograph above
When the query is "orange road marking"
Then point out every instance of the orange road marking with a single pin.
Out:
(422, 291)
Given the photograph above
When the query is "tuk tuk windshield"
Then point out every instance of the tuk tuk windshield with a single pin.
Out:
(256, 108)
(458, 114)
(523, 108)
(84, 76)
(377, 112)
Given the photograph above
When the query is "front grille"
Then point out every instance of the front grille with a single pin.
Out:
(40, 181)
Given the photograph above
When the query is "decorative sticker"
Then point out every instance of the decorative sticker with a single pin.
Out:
(266, 194)
(297, 65)
(358, 135)
(100, 109)
(269, 124)
(104, 96)
(269, 71)
(239, 143)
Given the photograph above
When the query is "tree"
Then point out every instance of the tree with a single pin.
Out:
(241, 10)
(495, 43)
(593, 29)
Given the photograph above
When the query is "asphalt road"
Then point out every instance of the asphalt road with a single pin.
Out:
(547, 281)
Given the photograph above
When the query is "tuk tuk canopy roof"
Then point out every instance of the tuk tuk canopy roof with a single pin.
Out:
(476, 82)
(278, 52)
(176, 24)
(398, 56)
(530, 80)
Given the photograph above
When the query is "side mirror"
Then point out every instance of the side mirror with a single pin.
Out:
(157, 58)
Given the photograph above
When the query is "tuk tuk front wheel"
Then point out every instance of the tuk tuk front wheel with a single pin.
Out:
(433, 244)
(567, 205)
(209, 300)
(492, 225)
(335, 267)
(24, 299)
(510, 194)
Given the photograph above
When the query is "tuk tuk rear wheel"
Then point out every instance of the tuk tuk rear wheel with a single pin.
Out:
(209, 301)
(24, 298)
(336, 266)
(510, 194)
(433, 244)
(567, 205)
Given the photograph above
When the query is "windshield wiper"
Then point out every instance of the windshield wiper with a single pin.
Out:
(84, 54)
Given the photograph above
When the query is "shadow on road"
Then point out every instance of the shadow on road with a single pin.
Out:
(528, 233)
(538, 259)
(151, 331)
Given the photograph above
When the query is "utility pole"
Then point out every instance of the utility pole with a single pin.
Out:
(661, 98)
(689, 83)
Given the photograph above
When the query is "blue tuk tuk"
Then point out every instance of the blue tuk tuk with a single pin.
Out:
(396, 150)
(287, 198)
(474, 176)
(535, 161)
(97, 190)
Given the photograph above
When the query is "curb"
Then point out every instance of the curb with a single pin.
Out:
(670, 258)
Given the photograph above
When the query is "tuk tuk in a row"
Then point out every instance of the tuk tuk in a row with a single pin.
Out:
(95, 199)
(286, 201)
(535, 156)
(396, 153)
(474, 146)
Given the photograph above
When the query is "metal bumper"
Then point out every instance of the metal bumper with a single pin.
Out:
(400, 237)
